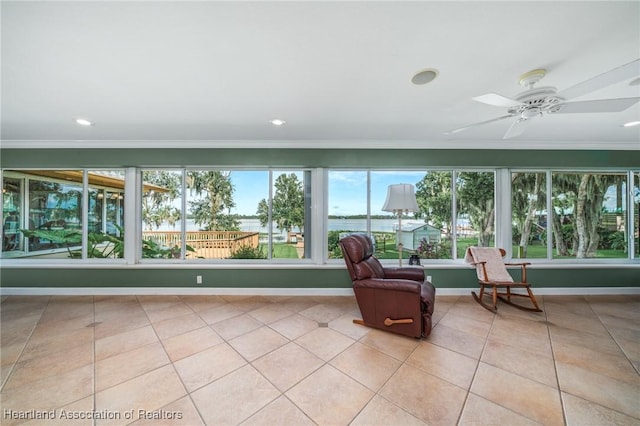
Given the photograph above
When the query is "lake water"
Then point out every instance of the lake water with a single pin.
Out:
(253, 225)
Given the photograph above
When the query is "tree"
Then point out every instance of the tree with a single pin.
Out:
(433, 194)
(213, 211)
(527, 196)
(287, 209)
(156, 203)
(476, 199)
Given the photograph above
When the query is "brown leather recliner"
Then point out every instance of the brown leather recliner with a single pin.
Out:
(397, 299)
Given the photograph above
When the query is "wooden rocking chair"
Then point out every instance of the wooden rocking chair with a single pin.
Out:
(492, 272)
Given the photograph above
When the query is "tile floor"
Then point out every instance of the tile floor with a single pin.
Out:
(222, 360)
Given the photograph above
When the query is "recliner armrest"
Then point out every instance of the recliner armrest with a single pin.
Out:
(408, 286)
(404, 273)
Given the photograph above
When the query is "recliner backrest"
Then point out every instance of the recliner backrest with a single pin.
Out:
(357, 250)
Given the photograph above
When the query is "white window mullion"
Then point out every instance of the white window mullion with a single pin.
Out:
(183, 215)
(550, 212)
(85, 213)
(502, 199)
(132, 215)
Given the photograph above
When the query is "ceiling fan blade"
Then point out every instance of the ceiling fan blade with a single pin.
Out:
(602, 105)
(496, 100)
(517, 128)
(460, 129)
(621, 73)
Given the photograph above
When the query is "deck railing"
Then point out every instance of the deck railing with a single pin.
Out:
(207, 244)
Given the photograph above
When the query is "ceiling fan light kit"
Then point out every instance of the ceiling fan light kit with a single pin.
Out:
(538, 101)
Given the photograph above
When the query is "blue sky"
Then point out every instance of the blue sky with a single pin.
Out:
(347, 190)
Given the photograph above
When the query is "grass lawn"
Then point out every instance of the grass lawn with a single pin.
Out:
(282, 251)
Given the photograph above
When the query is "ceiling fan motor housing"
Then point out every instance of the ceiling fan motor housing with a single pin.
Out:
(542, 99)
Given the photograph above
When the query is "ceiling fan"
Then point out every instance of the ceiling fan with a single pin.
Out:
(537, 101)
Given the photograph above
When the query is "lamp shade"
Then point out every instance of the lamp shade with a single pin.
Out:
(400, 198)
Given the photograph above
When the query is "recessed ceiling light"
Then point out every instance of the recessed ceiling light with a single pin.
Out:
(83, 122)
(425, 76)
(277, 122)
(631, 124)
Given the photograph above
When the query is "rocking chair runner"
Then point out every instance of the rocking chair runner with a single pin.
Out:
(492, 272)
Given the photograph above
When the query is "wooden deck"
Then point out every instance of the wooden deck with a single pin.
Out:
(207, 244)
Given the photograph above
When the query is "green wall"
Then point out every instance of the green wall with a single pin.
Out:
(317, 158)
(177, 277)
(308, 277)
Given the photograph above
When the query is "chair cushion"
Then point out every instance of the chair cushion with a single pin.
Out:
(496, 270)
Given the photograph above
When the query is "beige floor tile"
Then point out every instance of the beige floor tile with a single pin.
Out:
(466, 324)
(324, 313)
(446, 364)
(178, 325)
(520, 361)
(36, 369)
(45, 345)
(148, 392)
(519, 394)
(582, 339)
(330, 397)
(235, 397)
(66, 416)
(127, 365)
(257, 343)
(395, 345)
(429, 398)
(294, 326)
(202, 303)
(173, 311)
(179, 413)
(287, 365)
(158, 302)
(457, 341)
(299, 303)
(532, 336)
(345, 325)
(381, 412)
(279, 412)
(615, 366)
(48, 394)
(113, 308)
(236, 326)
(248, 304)
(602, 390)
(219, 313)
(580, 412)
(271, 313)
(468, 308)
(368, 366)
(124, 342)
(127, 321)
(324, 342)
(583, 351)
(186, 344)
(478, 411)
(204, 367)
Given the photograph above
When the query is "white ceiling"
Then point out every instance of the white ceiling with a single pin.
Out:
(176, 73)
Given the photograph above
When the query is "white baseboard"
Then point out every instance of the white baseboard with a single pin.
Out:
(232, 291)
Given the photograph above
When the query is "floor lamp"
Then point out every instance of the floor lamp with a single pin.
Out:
(401, 199)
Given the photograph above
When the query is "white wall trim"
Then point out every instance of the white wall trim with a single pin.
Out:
(231, 291)
(326, 144)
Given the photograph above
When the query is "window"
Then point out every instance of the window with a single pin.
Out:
(43, 214)
(228, 214)
(529, 214)
(355, 203)
(161, 213)
(475, 212)
(589, 216)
